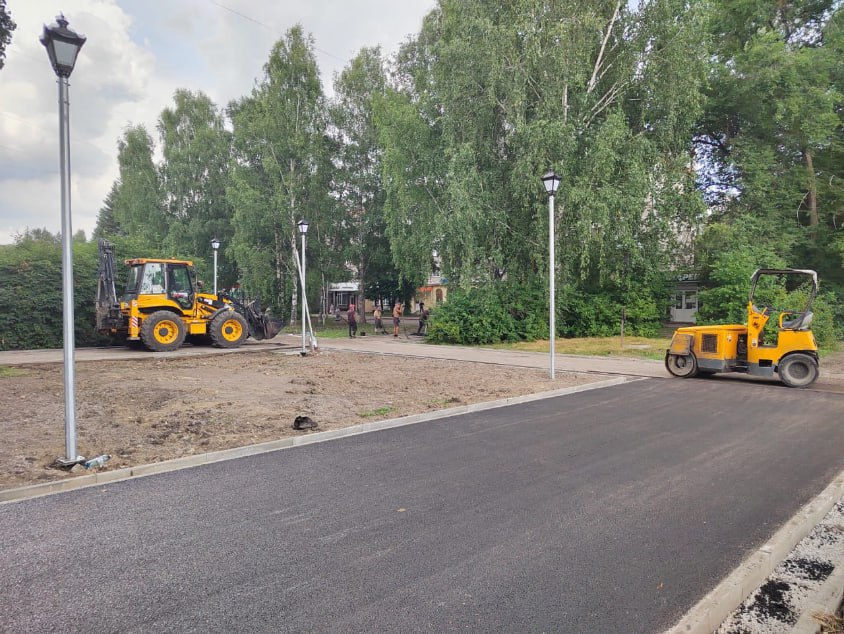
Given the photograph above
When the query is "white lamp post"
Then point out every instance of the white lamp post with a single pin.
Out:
(303, 229)
(63, 45)
(215, 244)
(551, 182)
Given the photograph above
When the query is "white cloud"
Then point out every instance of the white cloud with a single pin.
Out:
(137, 54)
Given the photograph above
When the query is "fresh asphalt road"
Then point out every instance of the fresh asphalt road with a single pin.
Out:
(613, 510)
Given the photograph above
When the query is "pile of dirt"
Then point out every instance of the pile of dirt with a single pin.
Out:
(152, 409)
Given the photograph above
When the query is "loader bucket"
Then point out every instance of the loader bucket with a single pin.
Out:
(261, 324)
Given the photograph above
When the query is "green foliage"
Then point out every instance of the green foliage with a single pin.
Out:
(771, 135)
(486, 100)
(196, 149)
(441, 151)
(507, 311)
(360, 193)
(31, 313)
(472, 317)
(7, 26)
(136, 203)
(728, 256)
(278, 174)
(598, 313)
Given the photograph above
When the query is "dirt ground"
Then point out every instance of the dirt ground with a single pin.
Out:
(148, 410)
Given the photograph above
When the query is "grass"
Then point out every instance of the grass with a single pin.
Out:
(830, 624)
(340, 329)
(6, 372)
(379, 411)
(639, 347)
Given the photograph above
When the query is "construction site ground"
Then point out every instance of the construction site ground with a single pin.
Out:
(150, 408)
(142, 408)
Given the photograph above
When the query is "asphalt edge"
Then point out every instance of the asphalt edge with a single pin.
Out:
(20, 494)
(714, 608)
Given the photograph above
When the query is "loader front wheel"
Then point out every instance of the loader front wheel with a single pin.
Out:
(163, 332)
(681, 365)
(798, 370)
(228, 330)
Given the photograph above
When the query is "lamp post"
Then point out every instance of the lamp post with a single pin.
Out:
(63, 45)
(303, 229)
(551, 182)
(215, 244)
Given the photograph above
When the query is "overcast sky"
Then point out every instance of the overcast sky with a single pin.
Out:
(137, 54)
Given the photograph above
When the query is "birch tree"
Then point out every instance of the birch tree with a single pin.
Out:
(278, 171)
(491, 95)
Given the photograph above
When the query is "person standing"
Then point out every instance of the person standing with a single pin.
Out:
(376, 315)
(351, 317)
(423, 319)
(397, 311)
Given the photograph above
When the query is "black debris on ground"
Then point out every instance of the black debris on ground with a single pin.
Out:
(809, 569)
(770, 602)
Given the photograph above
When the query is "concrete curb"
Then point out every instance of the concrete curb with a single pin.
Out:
(717, 605)
(38, 490)
(826, 601)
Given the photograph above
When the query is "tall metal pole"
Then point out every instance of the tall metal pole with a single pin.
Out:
(304, 303)
(215, 271)
(551, 257)
(67, 273)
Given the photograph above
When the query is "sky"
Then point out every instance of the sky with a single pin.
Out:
(138, 52)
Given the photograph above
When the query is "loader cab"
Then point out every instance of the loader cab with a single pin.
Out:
(155, 283)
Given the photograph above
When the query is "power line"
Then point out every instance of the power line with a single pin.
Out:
(269, 28)
(46, 130)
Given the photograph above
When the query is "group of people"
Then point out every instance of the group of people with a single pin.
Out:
(398, 310)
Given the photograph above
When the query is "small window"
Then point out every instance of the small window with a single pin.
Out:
(153, 280)
(691, 300)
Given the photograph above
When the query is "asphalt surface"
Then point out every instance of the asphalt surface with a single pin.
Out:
(613, 510)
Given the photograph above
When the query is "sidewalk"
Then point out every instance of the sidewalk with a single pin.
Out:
(413, 346)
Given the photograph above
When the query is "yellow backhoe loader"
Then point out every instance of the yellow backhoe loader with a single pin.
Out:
(788, 350)
(162, 306)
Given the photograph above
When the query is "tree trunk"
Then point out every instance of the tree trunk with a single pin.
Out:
(812, 186)
(361, 301)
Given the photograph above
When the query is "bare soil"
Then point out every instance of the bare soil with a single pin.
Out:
(148, 410)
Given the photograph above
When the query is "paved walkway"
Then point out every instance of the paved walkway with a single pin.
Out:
(415, 347)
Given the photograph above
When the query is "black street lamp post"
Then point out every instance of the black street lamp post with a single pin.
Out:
(215, 244)
(551, 182)
(63, 46)
(303, 229)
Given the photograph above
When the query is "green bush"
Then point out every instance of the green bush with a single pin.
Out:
(31, 293)
(473, 317)
(508, 311)
(598, 314)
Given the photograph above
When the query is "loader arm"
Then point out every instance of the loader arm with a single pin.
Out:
(107, 307)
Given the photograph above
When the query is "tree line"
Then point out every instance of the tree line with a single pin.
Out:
(699, 135)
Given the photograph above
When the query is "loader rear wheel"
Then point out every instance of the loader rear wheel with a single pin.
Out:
(228, 330)
(798, 370)
(163, 331)
(681, 365)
